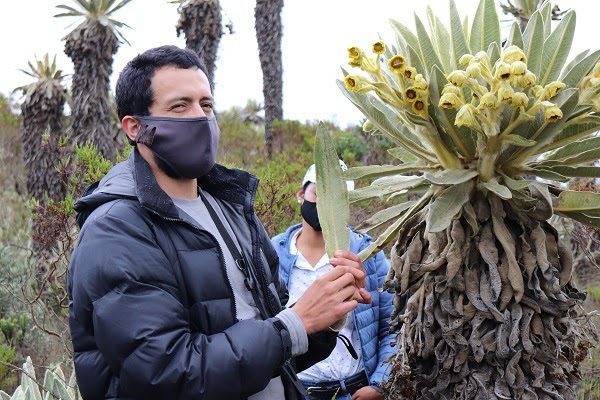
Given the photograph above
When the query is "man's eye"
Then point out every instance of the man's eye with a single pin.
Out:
(177, 106)
(207, 105)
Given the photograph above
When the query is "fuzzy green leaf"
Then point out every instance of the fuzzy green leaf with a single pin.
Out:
(486, 26)
(590, 220)
(547, 174)
(519, 141)
(500, 190)
(441, 39)
(460, 45)
(533, 39)
(332, 201)
(576, 172)
(574, 131)
(385, 186)
(576, 73)
(405, 33)
(389, 234)
(378, 171)
(383, 216)
(450, 177)
(515, 37)
(556, 49)
(445, 207)
(580, 202)
(576, 151)
(428, 53)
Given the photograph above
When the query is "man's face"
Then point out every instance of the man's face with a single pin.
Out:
(181, 93)
(310, 193)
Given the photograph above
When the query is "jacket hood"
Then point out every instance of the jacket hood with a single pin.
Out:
(117, 183)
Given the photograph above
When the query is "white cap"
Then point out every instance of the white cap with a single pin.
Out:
(311, 175)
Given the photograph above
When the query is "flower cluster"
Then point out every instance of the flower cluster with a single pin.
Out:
(590, 89)
(508, 81)
(409, 91)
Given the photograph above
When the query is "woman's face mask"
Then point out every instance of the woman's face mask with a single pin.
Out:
(308, 210)
(186, 145)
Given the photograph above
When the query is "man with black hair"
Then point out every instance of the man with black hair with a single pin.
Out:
(173, 285)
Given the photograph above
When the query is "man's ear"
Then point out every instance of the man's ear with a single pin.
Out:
(131, 126)
(300, 194)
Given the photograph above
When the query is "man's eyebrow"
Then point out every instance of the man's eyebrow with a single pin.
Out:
(189, 100)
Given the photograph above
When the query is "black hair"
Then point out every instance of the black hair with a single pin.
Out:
(134, 93)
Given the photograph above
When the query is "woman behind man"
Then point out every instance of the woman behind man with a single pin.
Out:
(355, 368)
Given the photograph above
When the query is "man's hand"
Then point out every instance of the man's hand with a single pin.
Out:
(326, 299)
(367, 393)
(356, 268)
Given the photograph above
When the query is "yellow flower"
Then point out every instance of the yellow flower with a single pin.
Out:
(505, 93)
(488, 100)
(410, 73)
(537, 90)
(551, 90)
(411, 94)
(450, 88)
(502, 71)
(354, 83)
(526, 80)
(465, 116)
(457, 78)
(397, 64)
(519, 100)
(465, 59)
(354, 63)
(355, 53)
(450, 100)
(378, 47)
(420, 83)
(553, 113)
(419, 107)
(368, 126)
(518, 68)
(512, 54)
(481, 56)
(473, 71)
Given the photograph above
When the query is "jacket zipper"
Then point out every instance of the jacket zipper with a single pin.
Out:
(230, 286)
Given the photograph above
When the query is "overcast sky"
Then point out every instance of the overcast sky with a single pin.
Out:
(315, 37)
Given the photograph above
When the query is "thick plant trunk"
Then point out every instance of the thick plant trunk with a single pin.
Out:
(91, 48)
(200, 21)
(268, 26)
(486, 308)
(41, 114)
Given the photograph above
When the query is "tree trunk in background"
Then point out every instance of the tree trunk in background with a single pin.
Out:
(268, 26)
(200, 22)
(91, 47)
(42, 113)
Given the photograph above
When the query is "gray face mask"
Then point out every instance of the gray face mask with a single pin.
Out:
(187, 145)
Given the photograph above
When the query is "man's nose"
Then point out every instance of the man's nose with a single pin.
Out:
(197, 111)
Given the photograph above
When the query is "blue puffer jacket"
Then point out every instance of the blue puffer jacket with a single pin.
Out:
(371, 320)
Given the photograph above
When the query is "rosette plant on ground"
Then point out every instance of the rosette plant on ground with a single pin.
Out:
(484, 303)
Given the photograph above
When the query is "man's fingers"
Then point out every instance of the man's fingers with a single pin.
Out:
(335, 273)
(347, 254)
(365, 296)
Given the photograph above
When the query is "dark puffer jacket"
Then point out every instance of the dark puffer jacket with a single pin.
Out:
(152, 311)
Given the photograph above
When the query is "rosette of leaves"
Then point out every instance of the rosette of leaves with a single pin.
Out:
(484, 303)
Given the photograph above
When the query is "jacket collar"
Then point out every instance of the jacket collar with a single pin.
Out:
(229, 184)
